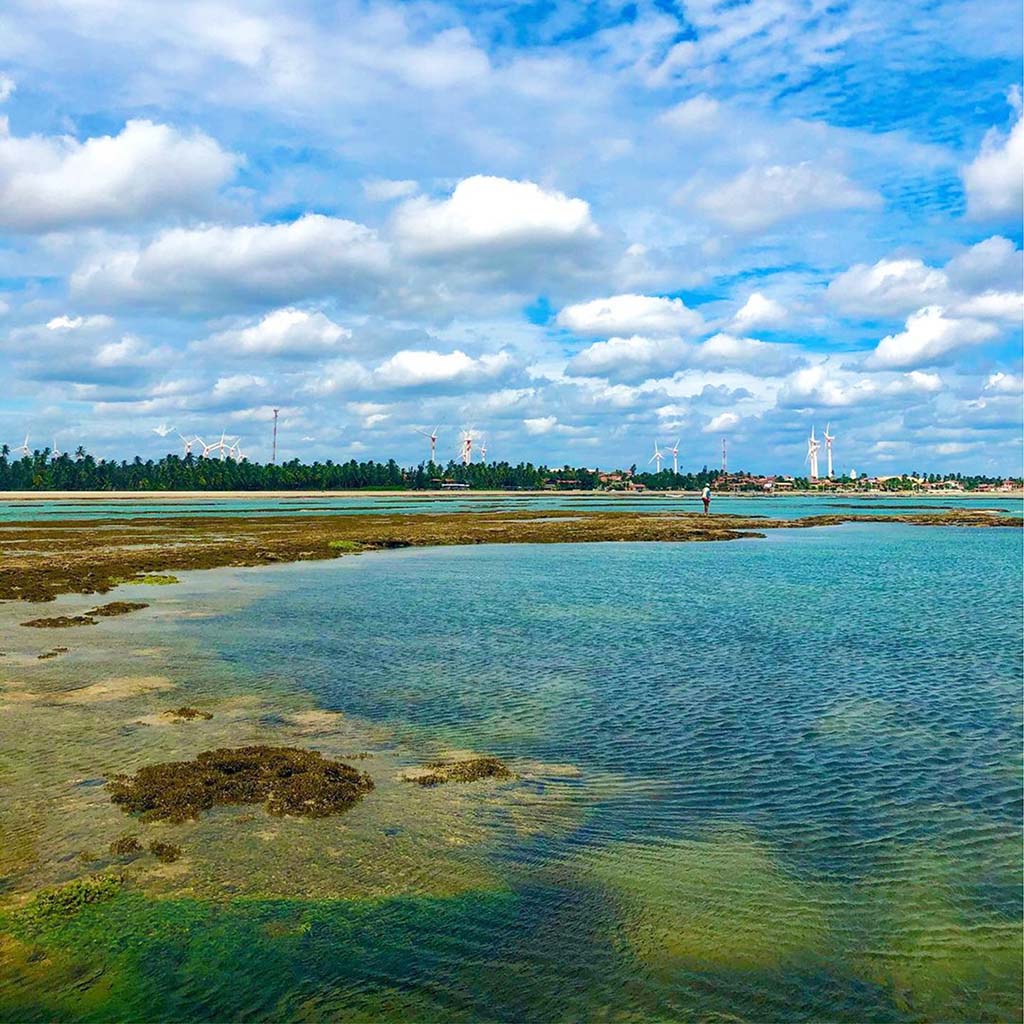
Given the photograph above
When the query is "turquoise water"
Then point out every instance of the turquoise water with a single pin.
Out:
(775, 507)
(761, 780)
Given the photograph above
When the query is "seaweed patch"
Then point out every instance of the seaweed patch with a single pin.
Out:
(285, 779)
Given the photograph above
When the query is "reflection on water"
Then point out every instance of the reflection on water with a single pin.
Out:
(775, 779)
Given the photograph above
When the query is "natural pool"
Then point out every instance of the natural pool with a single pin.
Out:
(769, 779)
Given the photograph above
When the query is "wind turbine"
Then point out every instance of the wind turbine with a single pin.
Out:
(674, 451)
(163, 430)
(24, 448)
(812, 454)
(432, 437)
(466, 447)
(829, 438)
(235, 451)
(55, 451)
(483, 451)
(188, 442)
(656, 458)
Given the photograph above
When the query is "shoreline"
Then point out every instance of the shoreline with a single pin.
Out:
(13, 497)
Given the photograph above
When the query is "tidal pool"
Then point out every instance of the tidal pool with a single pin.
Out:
(769, 779)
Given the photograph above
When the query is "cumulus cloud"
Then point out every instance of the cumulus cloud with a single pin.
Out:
(629, 358)
(723, 421)
(493, 214)
(538, 425)
(219, 266)
(763, 196)
(286, 332)
(630, 314)
(418, 368)
(832, 387)
(928, 337)
(994, 264)
(1004, 306)
(994, 179)
(147, 171)
(890, 287)
(759, 311)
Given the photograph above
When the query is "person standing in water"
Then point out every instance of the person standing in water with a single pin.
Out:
(705, 496)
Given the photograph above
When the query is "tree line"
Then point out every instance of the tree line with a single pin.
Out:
(82, 472)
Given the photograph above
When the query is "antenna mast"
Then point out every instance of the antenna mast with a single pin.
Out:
(725, 459)
(273, 449)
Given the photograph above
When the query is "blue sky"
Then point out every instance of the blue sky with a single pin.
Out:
(573, 227)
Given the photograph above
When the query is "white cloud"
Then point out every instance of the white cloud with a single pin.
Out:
(630, 314)
(538, 425)
(416, 368)
(381, 190)
(1004, 384)
(928, 337)
(284, 332)
(994, 264)
(487, 213)
(760, 357)
(890, 287)
(236, 384)
(1005, 306)
(631, 357)
(7, 87)
(723, 421)
(994, 180)
(697, 114)
(759, 311)
(217, 266)
(148, 170)
(77, 323)
(763, 196)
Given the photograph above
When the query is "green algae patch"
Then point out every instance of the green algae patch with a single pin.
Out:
(437, 773)
(67, 900)
(344, 545)
(187, 714)
(152, 580)
(723, 903)
(287, 780)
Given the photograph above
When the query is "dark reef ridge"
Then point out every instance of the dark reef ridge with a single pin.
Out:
(470, 770)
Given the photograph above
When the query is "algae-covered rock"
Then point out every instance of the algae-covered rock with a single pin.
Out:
(436, 773)
(125, 846)
(67, 900)
(186, 714)
(55, 653)
(117, 608)
(61, 622)
(285, 779)
(167, 852)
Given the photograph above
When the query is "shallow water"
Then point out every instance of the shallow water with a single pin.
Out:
(788, 507)
(769, 779)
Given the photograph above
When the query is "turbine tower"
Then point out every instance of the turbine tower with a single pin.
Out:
(812, 454)
(483, 452)
(674, 452)
(55, 451)
(188, 442)
(656, 458)
(829, 438)
(431, 436)
(24, 448)
(273, 443)
(725, 459)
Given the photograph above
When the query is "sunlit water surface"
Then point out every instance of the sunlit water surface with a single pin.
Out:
(758, 780)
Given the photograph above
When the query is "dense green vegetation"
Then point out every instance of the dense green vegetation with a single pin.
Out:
(83, 472)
